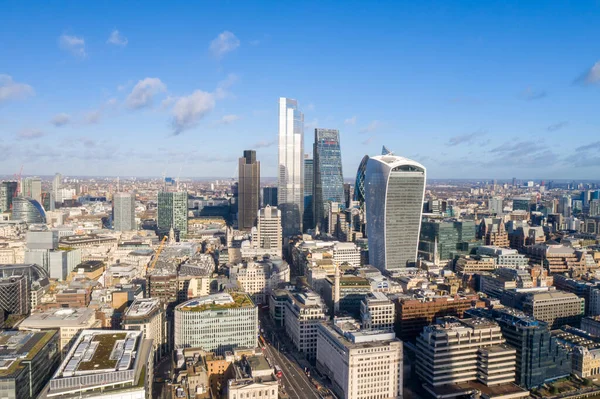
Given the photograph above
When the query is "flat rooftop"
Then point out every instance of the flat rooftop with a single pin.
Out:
(217, 301)
(68, 317)
(142, 307)
(18, 346)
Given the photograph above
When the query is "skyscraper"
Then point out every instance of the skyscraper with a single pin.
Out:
(32, 187)
(248, 190)
(269, 196)
(328, 184)
(56, 185)
(172, 211)
(394, 191)
(267, 234)
(308, 217)
(124, 212)
(291, 168)
(28, 210)
(8, 190)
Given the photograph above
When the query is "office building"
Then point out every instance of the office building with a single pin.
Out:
(303, 313)
(328, 182)
(8, 191)
(470, 264)
(105, 363)
(521, 204)
(18, 282)
(360, 364)
(28, 360)
(496, 206)
(457, 356)
(148, 316)
(359, 183)
(27, 210)
(173, 212)
(269, 196)
(394, 190)
(557, 308)
(217, 323)
(253, 377)
(442, 240)
(308, 218)
(56, 186)
(290, 177)
(413, 314)
(493, 232)
(565, 206)
(248, 190)
(268, 232)
(124, 212)
(69, 322)
(257, 278)
(377, 312)
(32, 187)
(540, 357)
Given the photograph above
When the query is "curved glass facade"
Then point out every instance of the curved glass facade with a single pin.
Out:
(28, 210)
(359, 184)
(394, 190)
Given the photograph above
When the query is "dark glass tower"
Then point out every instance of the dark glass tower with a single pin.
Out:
(8, 190)
(248, 190)
(269, 196)
(328, 183)
(308, 217)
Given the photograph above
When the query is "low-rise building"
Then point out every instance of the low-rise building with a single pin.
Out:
(303, 313)
(377, 312)
(557, 308)
(253, 378)
(469, 264)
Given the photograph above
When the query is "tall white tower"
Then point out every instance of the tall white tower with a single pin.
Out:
(394, 191)
(290, 178)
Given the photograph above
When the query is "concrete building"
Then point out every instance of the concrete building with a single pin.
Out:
(557, 308)
(253, 377)
(69, 322)
(394, 191)
(504, 257)
(303, 313)
(360, 364)
(115, 364)
(28, 360)
(268, 234)
(32, 187)
(554, 257)
(377, 312)
(469, 264)
(456, 356)
(290, 176)
(148, 316)
(346, 252)
(124, 212)
(493, 232)
(258, 278)
(217, 323)
(248, 190)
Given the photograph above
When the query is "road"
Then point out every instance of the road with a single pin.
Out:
(295, 381)
(162, 390)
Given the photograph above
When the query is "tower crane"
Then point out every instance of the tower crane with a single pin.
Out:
(158, 251)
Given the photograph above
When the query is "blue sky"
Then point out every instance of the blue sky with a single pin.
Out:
(491, 89)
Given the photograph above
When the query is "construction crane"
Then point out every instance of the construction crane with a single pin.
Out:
(158, 251)
(19, 185)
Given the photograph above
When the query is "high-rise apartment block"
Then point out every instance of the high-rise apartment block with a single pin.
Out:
(394, 191)
(290, 177)
(173, 211)
(360, 364)
(248, 190)
(217, 323)
(124, 212)
(328, 181)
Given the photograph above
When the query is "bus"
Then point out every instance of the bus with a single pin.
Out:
(278, 372)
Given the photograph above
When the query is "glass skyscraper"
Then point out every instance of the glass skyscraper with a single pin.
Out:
(359, 184)
(328, 182)
(28, 210)
(394, 191)
(248, 190)
(173, 212)
(8, 190)
(290, 178)
(307, 219)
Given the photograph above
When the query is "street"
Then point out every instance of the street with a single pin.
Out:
(162, 371)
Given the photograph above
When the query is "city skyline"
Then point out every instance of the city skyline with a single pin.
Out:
(467, 90)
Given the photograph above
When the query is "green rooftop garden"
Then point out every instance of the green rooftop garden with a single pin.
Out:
(101, 359)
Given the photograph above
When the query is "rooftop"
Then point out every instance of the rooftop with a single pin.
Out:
(67, 317)
(142, 307)
(17, 346)
(217, 301)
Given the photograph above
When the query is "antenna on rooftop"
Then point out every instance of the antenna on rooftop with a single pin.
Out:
(386, 151)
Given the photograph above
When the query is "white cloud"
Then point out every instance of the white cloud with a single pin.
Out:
(227, 119)
(224, 85)
(143, 93)
(11, 90)
(117, 39)
(92, 117)
(61, 120)
(188, 110)
(223, 44)
(111, 102)
(265, 144)
(371, 127)
(29, 134)
(73, 44)
(592, 76)
(350, 121)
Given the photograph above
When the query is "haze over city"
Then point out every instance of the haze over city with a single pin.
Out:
(471, 89)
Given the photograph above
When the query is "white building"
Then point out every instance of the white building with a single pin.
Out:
(266, 236)
(148, 316)
(69, 323)
(505, 257)
(377, 312)
(258, 278)
(303, 313)
(346, 252)
(124, 212)
(394, 191)
(253, 378)
(360, 364)
(290, 177)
